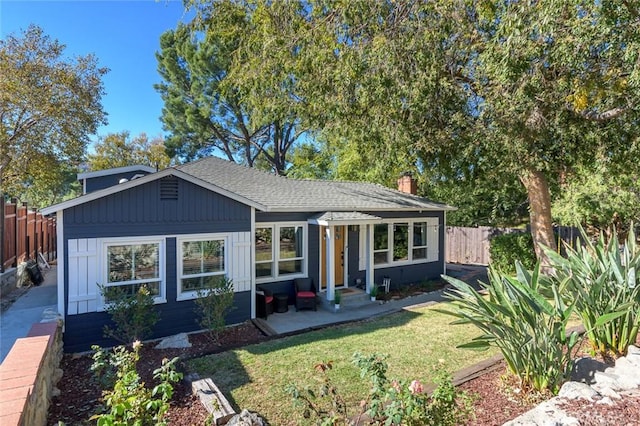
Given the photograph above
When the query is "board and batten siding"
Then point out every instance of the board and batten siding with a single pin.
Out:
(87, 261)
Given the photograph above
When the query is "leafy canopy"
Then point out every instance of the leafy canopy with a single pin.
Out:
(49, 105)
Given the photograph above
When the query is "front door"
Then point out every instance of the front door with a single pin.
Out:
(338, 261)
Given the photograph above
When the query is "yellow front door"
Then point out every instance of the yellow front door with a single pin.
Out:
(339, 238)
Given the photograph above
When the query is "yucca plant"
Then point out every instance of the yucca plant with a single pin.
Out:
(601, 280)
(529, 330)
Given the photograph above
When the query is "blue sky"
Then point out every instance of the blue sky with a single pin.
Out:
(124, 35)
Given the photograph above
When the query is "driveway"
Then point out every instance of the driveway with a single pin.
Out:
(16, 321)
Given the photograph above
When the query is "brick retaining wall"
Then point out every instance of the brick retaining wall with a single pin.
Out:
(28, 376)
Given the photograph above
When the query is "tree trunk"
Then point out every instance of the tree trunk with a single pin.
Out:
(539, 212)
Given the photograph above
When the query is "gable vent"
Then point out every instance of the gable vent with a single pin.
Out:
(169, 188)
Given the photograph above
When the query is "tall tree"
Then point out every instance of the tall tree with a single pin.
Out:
(206, 110)
(119, 150)
(49, 105)
(532, 89)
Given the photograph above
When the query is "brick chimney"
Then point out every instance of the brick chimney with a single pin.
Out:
(407, 184)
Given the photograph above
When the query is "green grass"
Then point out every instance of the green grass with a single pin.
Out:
(255, 376)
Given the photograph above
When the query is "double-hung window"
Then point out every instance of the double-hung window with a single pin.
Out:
(381, 243)
(201, 261)
(280, 250)
(419, 250)
(131, 265)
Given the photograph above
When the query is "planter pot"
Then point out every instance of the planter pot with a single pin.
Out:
(373, 298)
(337, 306)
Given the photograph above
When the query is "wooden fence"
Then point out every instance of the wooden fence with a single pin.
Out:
(470, 246)
(25, 234)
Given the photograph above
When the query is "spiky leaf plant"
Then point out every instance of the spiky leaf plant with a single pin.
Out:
(529, 330)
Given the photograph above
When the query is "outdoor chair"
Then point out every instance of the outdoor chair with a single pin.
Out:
(264, 303)
(305, 293)
(386, 284)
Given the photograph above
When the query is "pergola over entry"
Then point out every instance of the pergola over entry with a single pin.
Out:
(331, 220)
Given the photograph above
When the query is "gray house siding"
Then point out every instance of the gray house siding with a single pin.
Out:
(140, 212)
(102, 182)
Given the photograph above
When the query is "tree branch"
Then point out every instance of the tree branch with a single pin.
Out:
(603, 116)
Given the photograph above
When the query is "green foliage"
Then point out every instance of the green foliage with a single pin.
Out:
(529, 330)
(601, 279)
(134, 316)
(599, 197)
(50, 105)
(129, 402)
(119, 150)
(508, 248)
(213, 304)
(337, 297)
(373, 292)
(388, 402)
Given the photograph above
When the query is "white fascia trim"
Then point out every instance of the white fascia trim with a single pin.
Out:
(146, 179)
(345, 222)
(318, 209)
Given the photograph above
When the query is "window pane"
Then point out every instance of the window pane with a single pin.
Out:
(263, 244)
(420, 253)
(419, 234)
(201, 257)
(213, 256)
(115, 292)
(380, 257)
(263, 270)
(290, 267)
(380, 236)
(291, 242)
(146, 261)
(400, 241)
(199, 283)
(133, 262)
(120, 263)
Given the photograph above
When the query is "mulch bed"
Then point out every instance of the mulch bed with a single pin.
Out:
(496, 401)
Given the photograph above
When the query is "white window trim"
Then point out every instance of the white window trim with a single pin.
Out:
(193, 294)
(389, 250)
(105, 243)
(275, 251)
(426, 244)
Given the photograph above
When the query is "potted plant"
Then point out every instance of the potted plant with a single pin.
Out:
(373, 293)
(336, 299)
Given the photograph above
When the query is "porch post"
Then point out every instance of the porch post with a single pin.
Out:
(369, 258)
(330, 272)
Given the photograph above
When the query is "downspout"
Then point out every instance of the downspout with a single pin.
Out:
(252, 262)
(444, 243)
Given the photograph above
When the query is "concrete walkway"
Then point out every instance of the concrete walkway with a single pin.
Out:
(16, 321)
(292, 321)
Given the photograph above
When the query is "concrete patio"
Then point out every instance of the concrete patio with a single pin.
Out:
(304, 320)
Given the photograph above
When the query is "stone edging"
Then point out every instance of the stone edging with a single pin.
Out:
(592, 384)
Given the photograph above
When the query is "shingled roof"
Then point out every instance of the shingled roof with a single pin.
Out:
(279, 193)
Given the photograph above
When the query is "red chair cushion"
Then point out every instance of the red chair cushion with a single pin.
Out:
(305, 294)
(268, 299)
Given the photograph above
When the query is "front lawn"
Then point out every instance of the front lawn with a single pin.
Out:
(416, 341)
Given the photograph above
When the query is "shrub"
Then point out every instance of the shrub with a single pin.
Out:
(388, 402)
(602, 281)
(213, 304)
(529, 330)
(134, 316)
(506, 249)
(128, 401)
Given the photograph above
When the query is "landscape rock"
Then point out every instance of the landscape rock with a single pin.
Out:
(575, 390)
(177, 341)
(246, 418)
